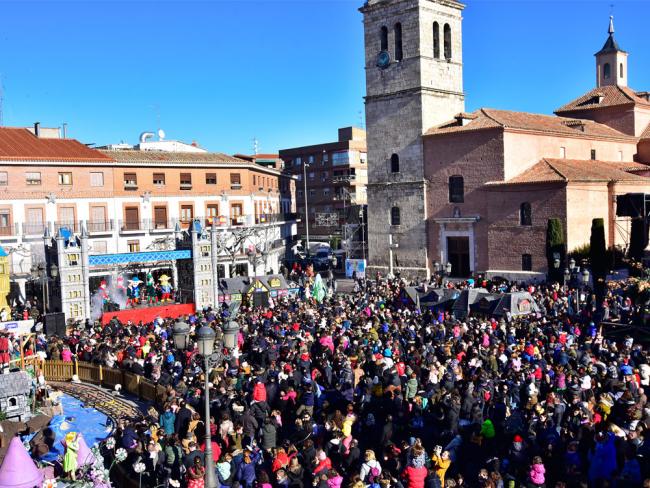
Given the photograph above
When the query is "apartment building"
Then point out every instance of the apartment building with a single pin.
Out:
(136, 199)
(334, 176)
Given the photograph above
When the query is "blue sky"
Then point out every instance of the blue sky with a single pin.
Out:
(286, 72)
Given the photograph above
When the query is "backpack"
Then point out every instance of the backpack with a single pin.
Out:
(374, 474)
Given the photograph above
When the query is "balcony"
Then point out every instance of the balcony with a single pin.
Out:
(100, 226)
(238, 220)
(34, 229)
(162, 225)
(186, 185)
(9, 230)
(132, 226)
(235, 186)
(130, 185)
(71, 226)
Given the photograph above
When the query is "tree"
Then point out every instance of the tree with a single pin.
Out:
(555, 248)
(598, 258)
(598, 249)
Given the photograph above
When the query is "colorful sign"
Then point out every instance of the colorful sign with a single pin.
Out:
(275, 283)
(17, 326)
(358, 265)
(523, 305)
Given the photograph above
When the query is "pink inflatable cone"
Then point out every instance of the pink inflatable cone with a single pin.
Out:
(85, 456)
(18, 470)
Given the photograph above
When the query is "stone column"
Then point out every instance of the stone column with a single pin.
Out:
(196, 255)
(214, 255)
(85, 272)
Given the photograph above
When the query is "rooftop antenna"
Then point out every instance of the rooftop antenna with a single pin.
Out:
(255, 145)
(361, 123)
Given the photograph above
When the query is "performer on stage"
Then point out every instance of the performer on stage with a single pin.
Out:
(133, 291)
(166, 288)
(151, 292)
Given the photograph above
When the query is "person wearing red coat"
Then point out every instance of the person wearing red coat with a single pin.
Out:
(415, 476)
(259, 392)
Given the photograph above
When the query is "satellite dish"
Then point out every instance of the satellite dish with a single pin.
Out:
(161, 134)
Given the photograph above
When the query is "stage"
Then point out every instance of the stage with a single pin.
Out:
(148, 314)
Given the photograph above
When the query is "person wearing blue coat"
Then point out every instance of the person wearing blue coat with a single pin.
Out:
(602, 461)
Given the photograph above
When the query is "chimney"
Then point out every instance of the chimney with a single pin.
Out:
(65, 130)
(37, 129)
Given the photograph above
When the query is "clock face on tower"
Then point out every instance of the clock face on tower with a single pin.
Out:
(383, 59)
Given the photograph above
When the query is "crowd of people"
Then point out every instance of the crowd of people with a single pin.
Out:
(363, 390)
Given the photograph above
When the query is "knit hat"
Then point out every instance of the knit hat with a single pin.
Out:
(518, 438)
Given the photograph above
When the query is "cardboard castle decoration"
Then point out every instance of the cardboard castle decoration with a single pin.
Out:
(14, 394)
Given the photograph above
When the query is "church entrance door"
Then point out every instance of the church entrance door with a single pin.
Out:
(458, 256)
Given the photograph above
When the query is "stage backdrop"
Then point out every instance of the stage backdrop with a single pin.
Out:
(148, 314)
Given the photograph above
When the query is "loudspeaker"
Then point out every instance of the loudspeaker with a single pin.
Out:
(55, 324)
(630, 205)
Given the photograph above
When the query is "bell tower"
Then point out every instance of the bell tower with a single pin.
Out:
(414, 81)
(611, 61)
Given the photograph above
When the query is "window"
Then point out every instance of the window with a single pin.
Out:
(187, 212)
(525, 214)
(341, 157)
(621, 70)
(326, 192)
(325, 158)
(133, 246)
(383, 38)
(211, 213)
(323, 176)
(235, 181)
(297, 161)
(563, 152)
(363, 158)
(299, 193)
(456, 189)
(66, 217)
(312, 175)
(5, 219)
(399, 55)
(130, 181)
(73, 259)
(447, 39)
(394, 216)
(33, 178)
(526, 262)
(593, 154)
(186, 181)
(436, 40)
(394, 163)
(131, 218)
(312, 193)
(4, 178)
(98, 219)
(311, 159)
(607, 71)
(160, 217)
(211, 178)
(65, 178)
(159, 179)
(96, 178)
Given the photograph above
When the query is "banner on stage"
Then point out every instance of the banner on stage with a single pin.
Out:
(358, 265)
(17, 326)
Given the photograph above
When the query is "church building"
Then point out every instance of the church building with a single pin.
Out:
(476, 190)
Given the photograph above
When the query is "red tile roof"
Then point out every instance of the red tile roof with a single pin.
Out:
(184, 158)
(487, 118)
(18, 144)
(577, 170)
(611, 96)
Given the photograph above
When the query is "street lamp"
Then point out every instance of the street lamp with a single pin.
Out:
(205, 338)
(230, 333)
(181, 332)
(251, 259)
(391, 247)
(305, 165)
